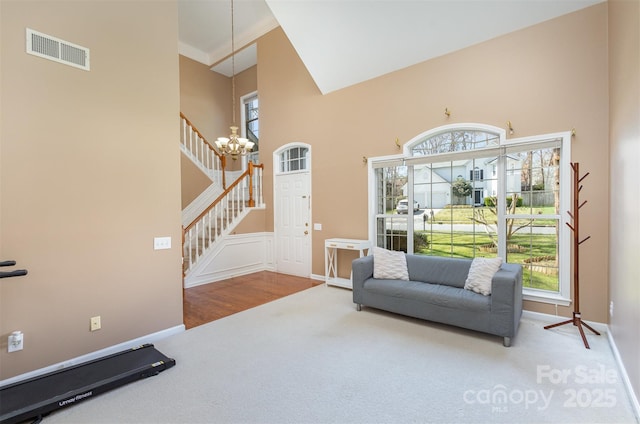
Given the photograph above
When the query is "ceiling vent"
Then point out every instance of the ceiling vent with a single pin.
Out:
(52, 48)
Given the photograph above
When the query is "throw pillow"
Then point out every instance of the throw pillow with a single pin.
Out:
(480, 274)
(389, 264)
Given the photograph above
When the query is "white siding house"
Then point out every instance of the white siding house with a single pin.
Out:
(433, 182)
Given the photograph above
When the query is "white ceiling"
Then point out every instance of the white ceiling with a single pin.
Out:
(344, 42)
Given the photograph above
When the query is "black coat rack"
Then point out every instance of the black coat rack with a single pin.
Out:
(577, 317)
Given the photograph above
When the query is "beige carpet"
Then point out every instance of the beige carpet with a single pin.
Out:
(312, 358)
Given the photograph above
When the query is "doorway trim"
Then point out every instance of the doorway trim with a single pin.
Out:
(278, 172)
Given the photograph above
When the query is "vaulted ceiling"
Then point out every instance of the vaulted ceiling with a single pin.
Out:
(344, 42)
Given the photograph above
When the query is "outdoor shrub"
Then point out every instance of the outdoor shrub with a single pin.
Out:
(518, 201)
(398, 241)
(488, 201)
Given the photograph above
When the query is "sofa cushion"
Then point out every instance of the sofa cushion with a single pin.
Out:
(481, 273)
(434, 294)
(388, 264)
(438, 270)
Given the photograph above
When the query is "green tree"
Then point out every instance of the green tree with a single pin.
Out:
(461, 189)
(490, 220)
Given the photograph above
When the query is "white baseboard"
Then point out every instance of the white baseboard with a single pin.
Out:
(602, 328)
(625, 377)
(149, 338)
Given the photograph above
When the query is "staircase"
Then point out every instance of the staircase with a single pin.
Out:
(225, 206)
(201, 152)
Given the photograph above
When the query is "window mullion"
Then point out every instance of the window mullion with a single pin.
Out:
(500, 205)
(410, 222)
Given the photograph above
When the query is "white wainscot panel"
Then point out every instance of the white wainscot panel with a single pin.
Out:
(240, 254)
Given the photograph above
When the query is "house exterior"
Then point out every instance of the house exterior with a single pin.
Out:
(433, 183)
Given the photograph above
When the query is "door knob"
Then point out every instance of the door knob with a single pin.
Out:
(306, 232)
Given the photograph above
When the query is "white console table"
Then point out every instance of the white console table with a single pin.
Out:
(331, 247)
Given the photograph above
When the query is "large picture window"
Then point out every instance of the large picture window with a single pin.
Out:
(470, 192)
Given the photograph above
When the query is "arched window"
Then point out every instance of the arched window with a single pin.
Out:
(293, 159)
(476, 194)
(459, 140)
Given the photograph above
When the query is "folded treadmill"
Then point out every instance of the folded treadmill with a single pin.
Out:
(33, 398)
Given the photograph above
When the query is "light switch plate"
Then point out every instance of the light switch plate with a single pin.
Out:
(95, 323)
(160, 243)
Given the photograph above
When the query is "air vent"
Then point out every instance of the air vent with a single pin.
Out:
(52, 48)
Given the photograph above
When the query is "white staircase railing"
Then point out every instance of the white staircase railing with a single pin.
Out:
(201, 152)
(222, 216)
(200, 203)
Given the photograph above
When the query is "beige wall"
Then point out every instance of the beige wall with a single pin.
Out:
(205, 99)
(193, 180)
(80, 199)
(89, 175)
(548, 78)
(246, 83)
(624, 69)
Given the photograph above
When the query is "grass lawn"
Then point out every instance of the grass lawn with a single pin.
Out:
(468, 245)
(464, 215)
(461, 244)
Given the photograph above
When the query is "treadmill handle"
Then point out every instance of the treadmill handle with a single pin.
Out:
(16, 273)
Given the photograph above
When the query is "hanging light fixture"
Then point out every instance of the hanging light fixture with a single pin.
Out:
(233, 145)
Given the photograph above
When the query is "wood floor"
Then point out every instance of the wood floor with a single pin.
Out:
(209, 302)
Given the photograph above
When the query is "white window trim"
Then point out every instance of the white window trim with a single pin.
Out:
(243, 113)
(563, 296)
(278, 153)
(243, 121)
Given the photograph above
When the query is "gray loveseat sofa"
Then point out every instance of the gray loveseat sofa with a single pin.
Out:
(435, 292)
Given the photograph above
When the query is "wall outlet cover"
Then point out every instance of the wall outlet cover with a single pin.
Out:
(161, 243)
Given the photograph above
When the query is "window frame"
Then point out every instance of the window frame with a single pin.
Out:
(254, 156)
(302, 159)
(563, 296)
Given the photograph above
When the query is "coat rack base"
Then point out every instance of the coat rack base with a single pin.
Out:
(577, 321)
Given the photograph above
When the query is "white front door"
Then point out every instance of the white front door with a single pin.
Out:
(292, 226)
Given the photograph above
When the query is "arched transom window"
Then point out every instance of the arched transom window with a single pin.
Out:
(293, 159)
(454, 141)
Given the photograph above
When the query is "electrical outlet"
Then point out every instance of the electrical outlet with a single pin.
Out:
(95, 323)
(160, 243)
(15, 342)
(611, 309)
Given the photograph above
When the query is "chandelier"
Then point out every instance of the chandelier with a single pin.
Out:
(233, 145)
